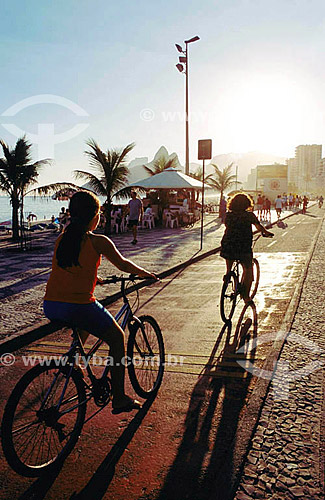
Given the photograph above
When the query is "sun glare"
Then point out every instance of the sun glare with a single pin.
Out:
(264, 113)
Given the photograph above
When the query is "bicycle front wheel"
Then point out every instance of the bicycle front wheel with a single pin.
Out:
(43, 419)
(228, 297)
(256, 278)
(146, 354)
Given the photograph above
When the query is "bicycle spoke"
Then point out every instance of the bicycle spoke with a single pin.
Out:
(47, 434)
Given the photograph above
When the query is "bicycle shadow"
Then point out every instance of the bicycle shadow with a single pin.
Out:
(212, 419)
(42, 485)
(100, 481)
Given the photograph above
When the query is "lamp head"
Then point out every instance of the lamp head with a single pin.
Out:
(194, 39)
(178, 47)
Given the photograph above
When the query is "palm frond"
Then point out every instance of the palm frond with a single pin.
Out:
(97, 185)
(149, 170)
(5, 185)
(122, 155)
(22, 151)
(126, 192)
(51, 189)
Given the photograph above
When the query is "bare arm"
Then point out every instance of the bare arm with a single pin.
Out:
(106, 247)
(262, 229)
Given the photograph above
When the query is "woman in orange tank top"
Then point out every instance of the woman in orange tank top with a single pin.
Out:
(69, 293)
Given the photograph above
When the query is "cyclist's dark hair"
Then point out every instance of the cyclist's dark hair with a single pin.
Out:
(83, 207)
(240, 202)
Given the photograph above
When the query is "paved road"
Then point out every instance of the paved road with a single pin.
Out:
(173, 448)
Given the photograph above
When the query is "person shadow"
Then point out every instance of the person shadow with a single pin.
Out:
(206, 464)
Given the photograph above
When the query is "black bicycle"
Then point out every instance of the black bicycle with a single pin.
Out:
(44, 415)
(232, 286)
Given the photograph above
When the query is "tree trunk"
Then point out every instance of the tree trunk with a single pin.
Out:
(108, 217)
(15, 210)
(221, 195)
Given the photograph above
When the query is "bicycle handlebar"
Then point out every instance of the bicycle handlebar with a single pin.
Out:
(268, 235)
(123, 279)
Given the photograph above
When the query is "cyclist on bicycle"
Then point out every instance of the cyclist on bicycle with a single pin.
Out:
(70, 289)
(236, 243)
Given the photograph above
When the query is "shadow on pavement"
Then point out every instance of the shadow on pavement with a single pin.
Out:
(98, 484)
(25, 283)
(40, 488)
(100, 481)
(212, 419)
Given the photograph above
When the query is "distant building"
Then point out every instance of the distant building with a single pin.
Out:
(250, 184)
(307, 160)
(272, 180)
(320, 179)
(292, 174)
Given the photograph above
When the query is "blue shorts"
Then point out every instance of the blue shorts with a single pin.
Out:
(133, 222)
(93, 317)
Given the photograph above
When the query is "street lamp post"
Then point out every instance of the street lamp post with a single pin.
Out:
(182, 67)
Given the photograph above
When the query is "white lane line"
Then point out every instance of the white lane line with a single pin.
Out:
(273, 242)
(292, 227)
(285, 232)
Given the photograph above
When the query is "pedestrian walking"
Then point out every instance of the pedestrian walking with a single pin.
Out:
(135, 209)
(267, 208)
(278, 206)
(259, 206)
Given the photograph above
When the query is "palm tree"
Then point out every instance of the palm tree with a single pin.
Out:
(17, 174)
(109, 174)
(161, 164)
(198, 175)
(223, 179)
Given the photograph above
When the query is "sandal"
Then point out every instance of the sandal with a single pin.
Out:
(133, 404)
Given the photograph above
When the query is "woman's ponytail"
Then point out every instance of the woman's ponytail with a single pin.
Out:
(83, 208)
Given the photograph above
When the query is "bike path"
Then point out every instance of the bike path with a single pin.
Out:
(167, 448)
(162, 250)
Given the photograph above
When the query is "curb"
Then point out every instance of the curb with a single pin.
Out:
(249, 422)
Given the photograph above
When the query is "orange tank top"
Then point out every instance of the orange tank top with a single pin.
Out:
(74, 284)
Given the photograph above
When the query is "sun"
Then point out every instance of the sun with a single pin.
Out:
(264, 113)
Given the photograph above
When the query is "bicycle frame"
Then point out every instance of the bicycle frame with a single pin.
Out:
(126, 314)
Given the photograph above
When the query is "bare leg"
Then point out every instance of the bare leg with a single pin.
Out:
(229, 264)
(247, 282)
(114, 337)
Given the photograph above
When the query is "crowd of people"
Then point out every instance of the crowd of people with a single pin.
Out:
(263, 205)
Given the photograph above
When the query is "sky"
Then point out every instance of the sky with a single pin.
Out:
(78, 69)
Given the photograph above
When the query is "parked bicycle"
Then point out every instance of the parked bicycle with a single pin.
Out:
(45, 412)
(232, 286)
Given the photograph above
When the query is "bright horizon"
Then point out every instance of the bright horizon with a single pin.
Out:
(255, 76)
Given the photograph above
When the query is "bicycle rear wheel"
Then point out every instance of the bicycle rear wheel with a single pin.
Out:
(256, 278)
(146, 352)
(228, 297)
(35, 433)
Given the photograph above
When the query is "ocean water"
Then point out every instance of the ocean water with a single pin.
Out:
(44, 208)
